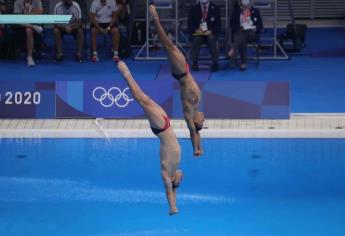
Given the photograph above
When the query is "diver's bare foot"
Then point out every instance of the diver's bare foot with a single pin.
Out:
(153, 12)
(123, 68)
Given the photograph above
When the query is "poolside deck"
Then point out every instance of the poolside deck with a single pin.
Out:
(300, 125)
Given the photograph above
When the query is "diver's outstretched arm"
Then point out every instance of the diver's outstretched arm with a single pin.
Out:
(170, 192)
(195, 137)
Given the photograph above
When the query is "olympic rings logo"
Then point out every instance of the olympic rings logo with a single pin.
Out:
(113, 96)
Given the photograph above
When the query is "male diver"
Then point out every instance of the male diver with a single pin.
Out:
(190, 92)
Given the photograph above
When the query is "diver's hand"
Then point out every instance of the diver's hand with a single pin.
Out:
(173, 211)
(198, 152)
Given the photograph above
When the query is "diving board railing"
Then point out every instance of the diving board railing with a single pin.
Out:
(35, 19)
(278, 51)
(172, 5)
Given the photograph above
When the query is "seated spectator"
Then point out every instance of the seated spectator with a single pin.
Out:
(126, 21)
(29, 32)
(2, 6)
(246, 25)
(103, 17)
(75, 28)
(123, 10)
(2, 27)
(204, 26)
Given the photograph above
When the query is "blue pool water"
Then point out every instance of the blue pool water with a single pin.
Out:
(240, 187)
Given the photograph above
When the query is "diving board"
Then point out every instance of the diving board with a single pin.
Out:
(35, 19)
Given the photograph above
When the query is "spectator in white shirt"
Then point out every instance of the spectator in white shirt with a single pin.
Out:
(2, 10)
(75, 28)
(103, 18)
(30, 32)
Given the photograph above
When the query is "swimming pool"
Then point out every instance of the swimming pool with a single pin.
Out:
(240, 187)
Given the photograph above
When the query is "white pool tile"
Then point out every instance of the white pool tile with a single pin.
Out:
(299, 125)
(4, 124)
